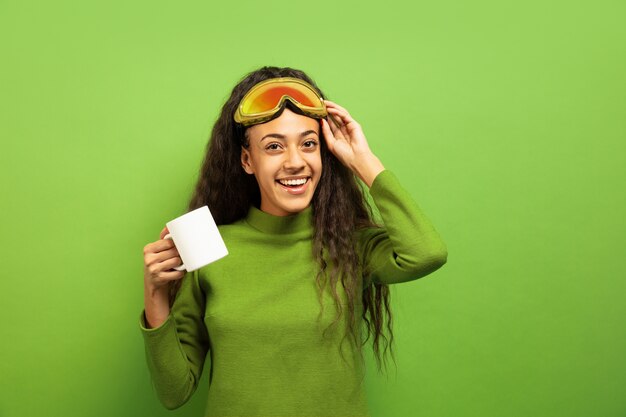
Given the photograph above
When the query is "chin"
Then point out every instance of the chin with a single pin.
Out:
(296, 208)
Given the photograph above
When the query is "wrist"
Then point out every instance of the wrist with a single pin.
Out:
(155, 293)
(154, 319)
(367, 168)
(156, 307)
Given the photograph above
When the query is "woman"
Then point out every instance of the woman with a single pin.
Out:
(282, 187)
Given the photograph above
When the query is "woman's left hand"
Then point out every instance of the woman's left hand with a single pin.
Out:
(347, 142)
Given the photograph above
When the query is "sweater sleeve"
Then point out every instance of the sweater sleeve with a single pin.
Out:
(407, 247)
(176, 350)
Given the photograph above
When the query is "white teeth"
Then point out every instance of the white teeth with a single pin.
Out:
(293, 182)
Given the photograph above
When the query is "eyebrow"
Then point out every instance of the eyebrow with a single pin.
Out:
(279, 136)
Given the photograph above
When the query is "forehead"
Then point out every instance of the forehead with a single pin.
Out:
(288, 124)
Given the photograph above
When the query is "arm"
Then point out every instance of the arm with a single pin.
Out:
(176, 350)
(408, 247)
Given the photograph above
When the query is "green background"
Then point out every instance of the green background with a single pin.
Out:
(505, 121)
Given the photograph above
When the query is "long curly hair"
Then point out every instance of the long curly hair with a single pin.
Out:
(339, 208)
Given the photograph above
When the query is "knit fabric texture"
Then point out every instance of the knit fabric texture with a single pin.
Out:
(252, 319)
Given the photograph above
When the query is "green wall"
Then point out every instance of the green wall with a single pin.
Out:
(506, 121)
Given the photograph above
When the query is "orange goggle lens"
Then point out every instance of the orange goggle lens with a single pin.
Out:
(266, 98)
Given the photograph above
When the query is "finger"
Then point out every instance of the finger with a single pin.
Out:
(170, 263)
(157, 247)
(342, 126)
(334, 118)
(166, 254)
(162, 245)
(349, 125)
(343, 115)
(337, 106)
(164, 232)
(332, 112)
(343, 119)
(153, 258)
(335, 128)
(328, 135)
(172, 275)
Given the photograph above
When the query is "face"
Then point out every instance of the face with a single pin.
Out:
(287, 147)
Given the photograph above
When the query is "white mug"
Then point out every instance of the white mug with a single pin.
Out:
(196, 238)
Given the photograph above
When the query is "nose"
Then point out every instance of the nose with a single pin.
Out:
(293, 160)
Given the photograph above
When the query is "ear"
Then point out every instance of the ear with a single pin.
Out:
(246, 161)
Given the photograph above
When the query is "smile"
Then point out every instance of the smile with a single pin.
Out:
(295, 187)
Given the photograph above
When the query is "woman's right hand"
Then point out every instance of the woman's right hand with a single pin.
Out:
(159, 258)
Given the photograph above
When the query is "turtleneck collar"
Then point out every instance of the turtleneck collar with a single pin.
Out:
(280, 225)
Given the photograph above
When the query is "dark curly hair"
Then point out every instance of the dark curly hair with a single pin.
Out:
(229, 191)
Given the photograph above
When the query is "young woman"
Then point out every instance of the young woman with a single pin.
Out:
(281, 178)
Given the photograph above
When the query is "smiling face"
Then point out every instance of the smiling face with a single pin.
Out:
(287, 147)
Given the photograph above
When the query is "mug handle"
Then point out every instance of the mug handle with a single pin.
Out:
(179, 267)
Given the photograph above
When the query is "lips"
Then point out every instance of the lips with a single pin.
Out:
(300, 189)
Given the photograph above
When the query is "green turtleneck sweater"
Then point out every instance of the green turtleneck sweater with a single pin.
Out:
(255, 312)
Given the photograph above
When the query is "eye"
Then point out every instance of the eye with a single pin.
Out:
(269, 147)
(312, 142)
